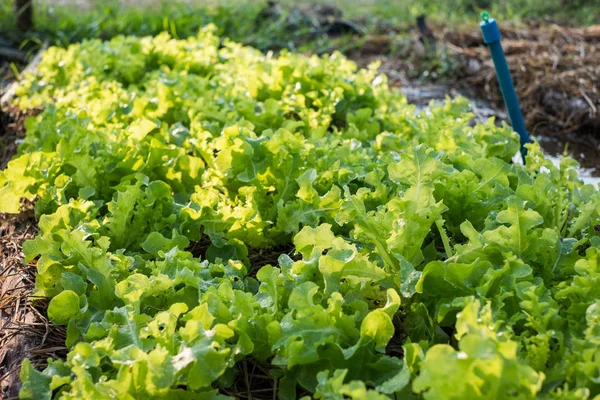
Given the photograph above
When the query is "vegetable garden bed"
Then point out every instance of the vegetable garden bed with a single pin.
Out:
(215, 221)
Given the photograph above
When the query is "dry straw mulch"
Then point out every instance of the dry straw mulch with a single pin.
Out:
(24, 329)
(554, 68)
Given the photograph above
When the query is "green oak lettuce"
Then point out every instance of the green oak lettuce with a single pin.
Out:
(425, 263)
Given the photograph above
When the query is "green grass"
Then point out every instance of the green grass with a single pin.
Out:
(577, 12)
(66, 21)
(61, 22)
(64, 24)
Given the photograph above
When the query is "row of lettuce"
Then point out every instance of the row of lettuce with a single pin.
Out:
(426, 264)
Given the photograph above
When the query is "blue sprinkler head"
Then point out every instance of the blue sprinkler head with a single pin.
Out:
(489, 29)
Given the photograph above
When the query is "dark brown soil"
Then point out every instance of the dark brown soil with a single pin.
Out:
(253, 380)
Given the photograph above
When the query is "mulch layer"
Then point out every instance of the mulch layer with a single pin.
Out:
(554, 68)
(24, 329)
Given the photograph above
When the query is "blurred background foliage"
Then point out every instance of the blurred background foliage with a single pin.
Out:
(62, 22)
